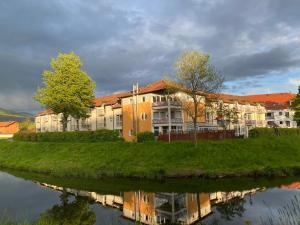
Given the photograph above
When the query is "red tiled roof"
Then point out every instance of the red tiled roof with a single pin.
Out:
(276, 97)
(238, 98)
(7, 123)
(155, 86)
(110, 99)
(294, 185)
(276, 105)
(45, 112)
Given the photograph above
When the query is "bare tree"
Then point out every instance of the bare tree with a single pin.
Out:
(198, 79)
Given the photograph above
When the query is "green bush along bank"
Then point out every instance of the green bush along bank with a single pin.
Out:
(73, 136)
(271, 132)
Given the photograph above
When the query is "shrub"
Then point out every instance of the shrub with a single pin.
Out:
(269, 132)
(145, 136)
(72, 136)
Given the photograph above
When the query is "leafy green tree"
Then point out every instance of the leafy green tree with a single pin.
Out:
(27, 125)
(233, 207)
(67, 88)
(296, 106)
(197, 77)
(77, 212)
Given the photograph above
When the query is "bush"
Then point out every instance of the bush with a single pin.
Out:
(269, 132)
(145, 136)
(72, 136)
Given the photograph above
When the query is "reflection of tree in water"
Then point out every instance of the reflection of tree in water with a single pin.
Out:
(233, 207)
(68, 212)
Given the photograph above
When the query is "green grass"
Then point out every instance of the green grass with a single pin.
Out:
(258, 156)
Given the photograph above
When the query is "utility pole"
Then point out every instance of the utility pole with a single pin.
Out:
(169, 116)
(136, 109)
(133, 117)
(135, 91)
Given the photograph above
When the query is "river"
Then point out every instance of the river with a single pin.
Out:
(30, 197)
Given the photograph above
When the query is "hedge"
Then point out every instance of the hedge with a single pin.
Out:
(72, 136)
(270, 132)
(145, 136)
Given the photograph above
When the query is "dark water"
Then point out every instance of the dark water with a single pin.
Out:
(234, 201)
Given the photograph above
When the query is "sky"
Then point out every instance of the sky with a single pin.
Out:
(254, 44)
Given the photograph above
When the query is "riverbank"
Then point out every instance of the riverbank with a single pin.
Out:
(276, 156)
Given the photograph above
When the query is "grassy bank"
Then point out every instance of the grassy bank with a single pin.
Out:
(258, 156)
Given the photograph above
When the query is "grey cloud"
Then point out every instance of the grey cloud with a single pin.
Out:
(121, 42)
(278, 59)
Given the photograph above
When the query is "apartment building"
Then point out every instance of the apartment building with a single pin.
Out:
(166, 208)
(249, 114)
(155, 108)
(278, 112)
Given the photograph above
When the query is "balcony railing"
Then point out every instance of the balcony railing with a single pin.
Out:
(165, 104)
(119, 124)
(101, 125)
(260, 122)
(166, 121)
(250, 122)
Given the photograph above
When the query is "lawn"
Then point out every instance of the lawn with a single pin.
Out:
(238, 157)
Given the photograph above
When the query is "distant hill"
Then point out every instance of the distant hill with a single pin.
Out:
(8, 115)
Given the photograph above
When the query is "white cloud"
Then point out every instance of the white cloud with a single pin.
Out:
(294, 81)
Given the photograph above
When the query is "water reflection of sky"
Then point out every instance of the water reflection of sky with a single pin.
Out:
(26, 199)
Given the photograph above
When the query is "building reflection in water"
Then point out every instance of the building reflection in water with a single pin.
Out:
(167, 208)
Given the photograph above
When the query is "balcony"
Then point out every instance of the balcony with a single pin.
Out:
(165, 104)
(250, 122)
(166, 120)
(100, 125)
(260, 123)
(270, 117)
(119, 124)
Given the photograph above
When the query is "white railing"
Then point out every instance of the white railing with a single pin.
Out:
(166, 120)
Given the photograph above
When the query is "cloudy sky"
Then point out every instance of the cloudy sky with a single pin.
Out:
(255, 44)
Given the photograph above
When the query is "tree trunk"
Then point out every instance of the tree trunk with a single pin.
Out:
(195, 122)
(65, 122)
(195, 131)
(77, 124)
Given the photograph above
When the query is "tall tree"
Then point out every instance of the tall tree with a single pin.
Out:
(67, 88)
(296, 107)
(198, 78)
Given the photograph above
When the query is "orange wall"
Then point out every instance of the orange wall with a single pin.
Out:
(144, 207)
(205, 200)
(11, 129)
(143, 125)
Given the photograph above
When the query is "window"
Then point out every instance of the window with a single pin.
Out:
(156, 131)
(288, 123)
(280, 113)
(154, 98)
(144, 99)
(281, 122)
(269, 114)
(130, 132)
(100, 112)
(144, 116)
(110, 119)
(287, 114)
(163, 99)
(155, 115)
(146, 199)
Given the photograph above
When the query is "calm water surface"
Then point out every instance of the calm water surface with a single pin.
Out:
(119, 202)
